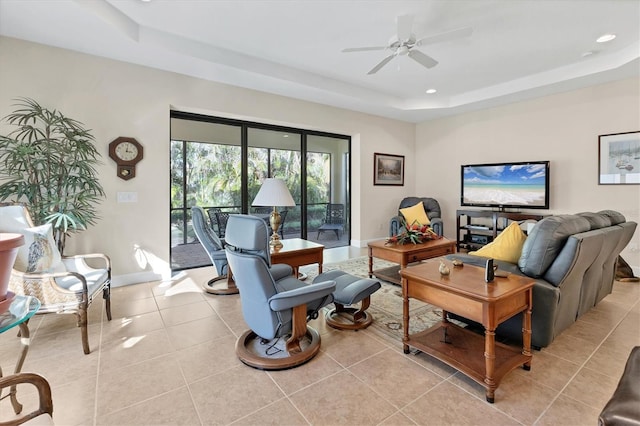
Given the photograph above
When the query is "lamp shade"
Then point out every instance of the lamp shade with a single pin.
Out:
(274, 192)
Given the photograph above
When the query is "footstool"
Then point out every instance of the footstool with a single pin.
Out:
(349, 291)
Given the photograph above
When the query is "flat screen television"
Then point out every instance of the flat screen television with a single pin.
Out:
(506, 185)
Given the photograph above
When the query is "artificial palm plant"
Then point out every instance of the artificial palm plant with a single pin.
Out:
(48, 162)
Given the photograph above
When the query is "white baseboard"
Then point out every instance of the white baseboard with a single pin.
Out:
(363, 243)
(135, 278)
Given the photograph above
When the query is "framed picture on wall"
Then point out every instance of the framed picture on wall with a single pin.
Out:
(388, 169)
(619, 159)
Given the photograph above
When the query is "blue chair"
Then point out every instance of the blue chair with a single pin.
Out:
(275, 305)
(215, 249)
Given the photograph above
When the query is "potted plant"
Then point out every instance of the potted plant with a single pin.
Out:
(48, 162)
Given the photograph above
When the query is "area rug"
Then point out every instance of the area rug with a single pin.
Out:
(386, 303)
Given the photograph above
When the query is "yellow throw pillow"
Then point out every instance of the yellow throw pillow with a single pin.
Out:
(415, 214)
(507, 245)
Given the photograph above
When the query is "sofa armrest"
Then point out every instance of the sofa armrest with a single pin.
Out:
(395, 224)
(624, 406)
(437, 225)
(302, 295)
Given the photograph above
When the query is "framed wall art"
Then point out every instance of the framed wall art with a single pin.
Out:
(619, 159)
(388, 169)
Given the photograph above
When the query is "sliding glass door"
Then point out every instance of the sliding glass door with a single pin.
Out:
(276, 154)
(220, 164)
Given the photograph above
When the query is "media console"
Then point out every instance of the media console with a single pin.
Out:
(476, 228)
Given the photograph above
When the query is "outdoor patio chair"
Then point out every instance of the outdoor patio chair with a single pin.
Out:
(333, 221)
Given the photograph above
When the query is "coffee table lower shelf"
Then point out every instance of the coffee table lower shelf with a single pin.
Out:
(464, 351)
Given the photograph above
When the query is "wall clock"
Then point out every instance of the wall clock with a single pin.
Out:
(126, 152)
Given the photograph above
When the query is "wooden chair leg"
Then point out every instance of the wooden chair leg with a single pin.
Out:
(106, 295)
(82, 323)
(298, 329)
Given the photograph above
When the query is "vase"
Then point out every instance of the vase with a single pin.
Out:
(9, 245)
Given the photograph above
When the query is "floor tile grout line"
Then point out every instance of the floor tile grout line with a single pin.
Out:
(481, 398)
(99, 349)
(561, 391)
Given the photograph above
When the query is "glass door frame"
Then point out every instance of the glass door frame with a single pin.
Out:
(244, 130)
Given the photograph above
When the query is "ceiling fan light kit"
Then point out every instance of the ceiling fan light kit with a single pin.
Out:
(406, 44)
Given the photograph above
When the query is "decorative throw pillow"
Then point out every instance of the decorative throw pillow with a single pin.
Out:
(415, 214)
(507, 246)
(39, 252)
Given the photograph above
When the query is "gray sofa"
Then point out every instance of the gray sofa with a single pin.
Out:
(572, 261)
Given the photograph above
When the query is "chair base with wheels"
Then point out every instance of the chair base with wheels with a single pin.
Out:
(350, 290)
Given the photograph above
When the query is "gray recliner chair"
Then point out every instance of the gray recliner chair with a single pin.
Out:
(275, 305)
(431, 208)
(215, 249)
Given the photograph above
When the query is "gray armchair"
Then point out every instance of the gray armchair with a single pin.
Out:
(431, 208)
(275, 305)
(215, 249)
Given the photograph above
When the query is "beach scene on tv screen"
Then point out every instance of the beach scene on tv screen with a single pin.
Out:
(516, 184)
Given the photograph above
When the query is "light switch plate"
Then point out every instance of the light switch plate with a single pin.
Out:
(127, 197)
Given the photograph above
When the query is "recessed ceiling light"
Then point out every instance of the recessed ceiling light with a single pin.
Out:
(605, 38)
(431, 91)
(587, 53)
(285, 135)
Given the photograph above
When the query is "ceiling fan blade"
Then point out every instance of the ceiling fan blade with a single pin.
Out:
(363, 49)
(445, 36)
(405, 24)
(422, 59)
(381, 64)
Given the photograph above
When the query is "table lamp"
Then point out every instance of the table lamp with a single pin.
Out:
(274, 192)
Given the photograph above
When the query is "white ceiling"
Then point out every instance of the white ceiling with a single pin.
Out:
(519, 49)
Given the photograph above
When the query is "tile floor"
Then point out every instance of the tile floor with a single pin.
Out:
(167, 357)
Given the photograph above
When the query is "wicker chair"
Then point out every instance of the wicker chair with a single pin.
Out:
(65, 284)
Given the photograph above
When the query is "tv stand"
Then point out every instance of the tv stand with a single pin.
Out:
(477, 228)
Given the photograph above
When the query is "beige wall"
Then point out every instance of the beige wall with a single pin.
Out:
(562, 128)
(119, 99)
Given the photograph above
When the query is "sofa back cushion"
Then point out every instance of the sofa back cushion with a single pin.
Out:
(615, 217)
(596, 220)
(546, 240)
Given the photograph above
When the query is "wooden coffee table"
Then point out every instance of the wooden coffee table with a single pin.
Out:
(464, 292)
(405, 254)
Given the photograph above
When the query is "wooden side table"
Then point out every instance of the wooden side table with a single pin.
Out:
(464, 292)
(296, 252)
(20, 311)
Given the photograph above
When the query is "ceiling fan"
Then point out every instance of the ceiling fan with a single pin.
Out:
(405, 44)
